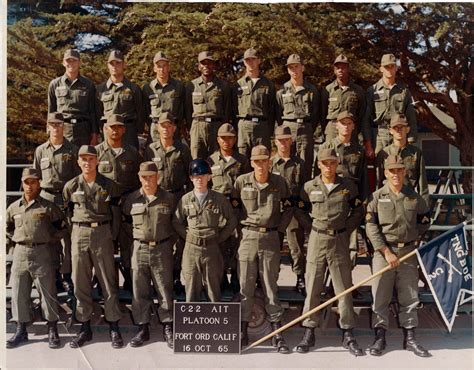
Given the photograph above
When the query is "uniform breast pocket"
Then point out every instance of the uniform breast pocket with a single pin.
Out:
(212, 216)
(410, 210)
(386, 211)
(138, 214)
(249, 199)
(18, 220)
(107, 100)
(80, 95)
(380, 103)
(79, 199)
(159, 163)
(103, 206)
(319, 209)
(243, 98)
(45, 165)
(199, 104)
(397, 103)
(105, 167)
(306, 103)
(62, 96)
(127, 166)
(126, 97)
(39, 217)
(333, 105)
(155, 100)
(288, 103)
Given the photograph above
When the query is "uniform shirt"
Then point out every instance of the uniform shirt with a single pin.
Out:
(91, 204)
(254, 100)
(74, 99)
(266, 206)
(151, 219)
(301, 102)
(172, 163)
(125, 100)
(336, 209)
(292, 171)
(383, 102)
(208, 100)
(41, 221)
(353, 164)
(395, 218)
(56, 166)
(214, 219)
(122, 168)
(225, 173)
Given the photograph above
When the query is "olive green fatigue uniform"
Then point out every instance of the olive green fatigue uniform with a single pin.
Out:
(254, 107)
(152, 252)
(160, 99)
(203, 226)
(382, 103)
(207, 107)
(56, 167)
(122, 168)
(412, 158)
(76, 101)
(124, 98)
(266, 212)
(335, 214)
(396, 221)
(34, 228)
(293, 170)
(336, 99)
(298, 108)
(92, 246)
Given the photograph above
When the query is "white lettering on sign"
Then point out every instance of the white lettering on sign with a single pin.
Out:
(439, 271)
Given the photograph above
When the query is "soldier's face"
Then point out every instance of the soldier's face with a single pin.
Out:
(395, 176)
(31, 187)
(166, 130)
(149, 183)
(162, 69)
(87, 163)
(72, 65)
(284, 145)
(328, 167)
(345, 126)
(56, 129)
(389, 71)
(400, 132)
(207, 67)
(341, 70)
(261, 166)
(116, 68)
(295, 70)
(200, 182)
(115, 132)
(226, 142)
(252, 64)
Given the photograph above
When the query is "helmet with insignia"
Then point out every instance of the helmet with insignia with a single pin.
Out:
(199, 167)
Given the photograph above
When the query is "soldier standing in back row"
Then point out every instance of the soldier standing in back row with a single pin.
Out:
(73, 95)
(298, 108)
(208, 104)
(253, 104)
(396, 219)
(118, 95)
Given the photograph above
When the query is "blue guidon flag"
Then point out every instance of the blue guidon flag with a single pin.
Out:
(444, 261)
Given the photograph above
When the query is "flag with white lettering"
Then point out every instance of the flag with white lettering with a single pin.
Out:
(444, 262)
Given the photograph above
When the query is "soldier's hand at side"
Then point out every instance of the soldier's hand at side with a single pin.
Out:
(369, 151)
(391, 258)
(94, 139)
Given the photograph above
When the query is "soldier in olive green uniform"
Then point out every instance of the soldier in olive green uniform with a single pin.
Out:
(73, 95)
(34, 224)
(336, 211)
(226, 165)
(342, 95)
(411, 156)
(90, 198)
(266, 213)
(396, 219)
(163, 94)
(384, 99)
(208, 104)
(118, 95)
(292, 168)
(56, 163)
(150, 210)
(253, 105)
(205, 219)
(298, 107)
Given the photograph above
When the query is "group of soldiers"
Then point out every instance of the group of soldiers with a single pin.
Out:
(223, 203)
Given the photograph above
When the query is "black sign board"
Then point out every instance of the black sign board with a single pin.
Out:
(206, 327)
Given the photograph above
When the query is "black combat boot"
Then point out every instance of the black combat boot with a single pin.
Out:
(53, 336)
(376, 349)
(20, 336)
(410, 343)
(84, 335)
(307, 342)
(127, 280)
(349, 342)
(234, 281)
(115, 336)
(244, 335)
(68, 285)
(141, 337)
(301, 284)
(278, 341)
(168, 334)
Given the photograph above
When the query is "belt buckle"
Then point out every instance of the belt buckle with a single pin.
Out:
(255, 119)
(152, 243)
(331, 232)
(262, 229)
(208, 119)
(94, 224)
(299, 120)
(400, 245)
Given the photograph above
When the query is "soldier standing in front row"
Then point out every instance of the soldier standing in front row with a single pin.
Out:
(396, 219)
(150, 210)
(336, 211)
(34, 224)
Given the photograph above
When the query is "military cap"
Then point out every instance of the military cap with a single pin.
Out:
(160, 56)
(388, 59)
(115, 120)
(398, 120)
(147, 169)
(55, 117)
(393, 161)
(282, 132)
(226, 129)
(250, 53)
(29, 173)
(327, 154)
(87, 150)
(115, 55)
(345, 114)
(203, 55)
(72, 53)
(259, 152)
(294, 59)
(341, 58)
(166, 117)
